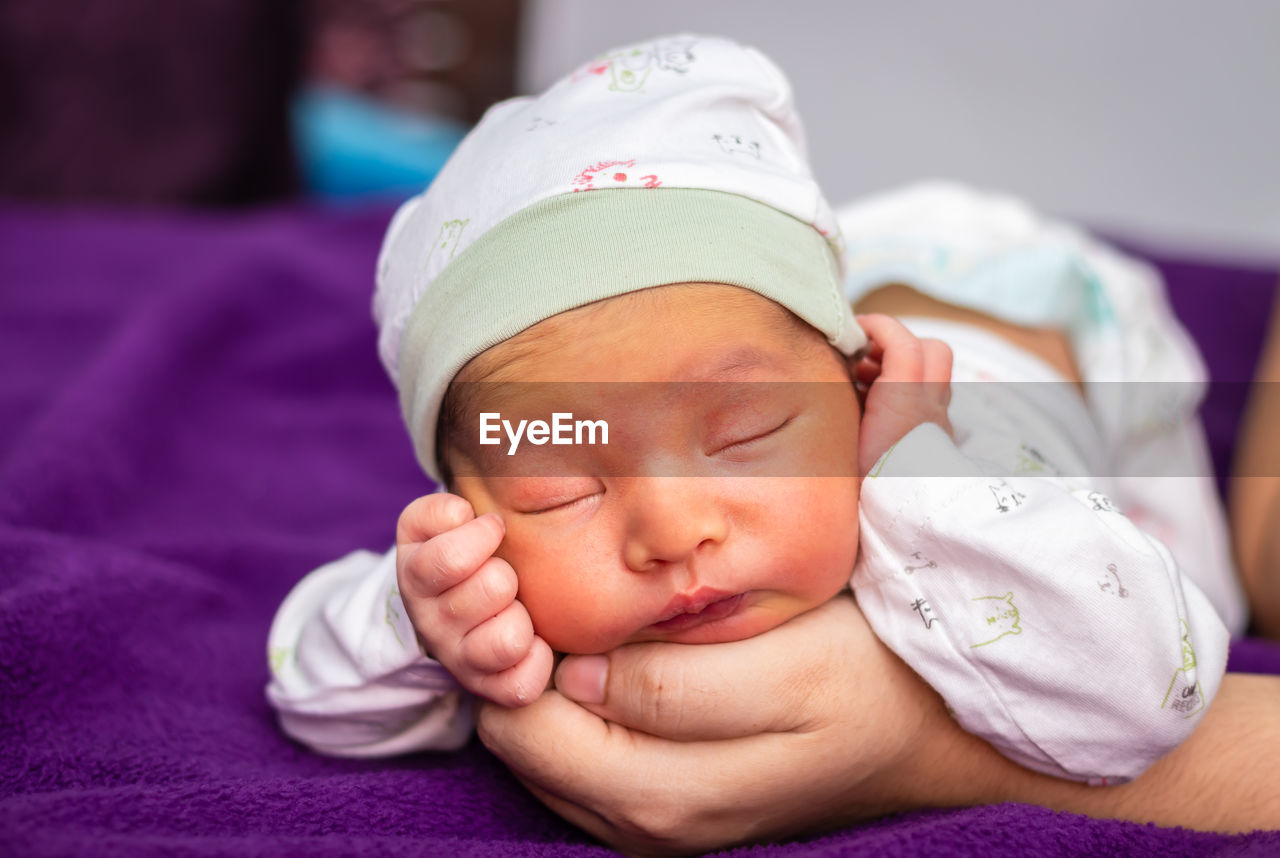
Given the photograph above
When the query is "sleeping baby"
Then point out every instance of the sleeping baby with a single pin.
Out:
(621, 326)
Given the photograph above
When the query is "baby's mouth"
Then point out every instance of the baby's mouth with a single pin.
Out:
(688, 612)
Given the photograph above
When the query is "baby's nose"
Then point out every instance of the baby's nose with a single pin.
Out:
(671, 519)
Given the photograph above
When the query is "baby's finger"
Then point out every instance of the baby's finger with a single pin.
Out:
(937, 380)
(442, 561)
(522, 684)
(937, 360)
(476, 598)
(431, 515)
(866, 370)
(902, 358)
(873, 350)
(499, 642)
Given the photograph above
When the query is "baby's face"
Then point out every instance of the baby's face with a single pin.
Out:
(720, 507)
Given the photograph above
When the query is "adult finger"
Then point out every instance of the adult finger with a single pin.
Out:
(648, 795)
(695, 692)
(577, 814)
(621, 791)
(540, 743)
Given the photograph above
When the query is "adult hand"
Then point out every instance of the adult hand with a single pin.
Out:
(815, 725)
(678, 748)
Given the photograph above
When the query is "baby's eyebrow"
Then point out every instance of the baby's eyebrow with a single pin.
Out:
(739, 362)
(499, 396)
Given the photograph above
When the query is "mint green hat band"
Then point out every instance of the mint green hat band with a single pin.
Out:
(576, 248)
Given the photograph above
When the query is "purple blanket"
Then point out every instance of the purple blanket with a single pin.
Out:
(191, 418)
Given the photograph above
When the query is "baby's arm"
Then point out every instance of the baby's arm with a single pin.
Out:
(347, 676)
(1053, 627)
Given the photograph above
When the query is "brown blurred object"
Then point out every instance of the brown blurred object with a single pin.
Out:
(1255, 488)
(449, 58)
(148, 101)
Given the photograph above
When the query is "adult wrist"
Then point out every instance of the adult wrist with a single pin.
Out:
(944, 766)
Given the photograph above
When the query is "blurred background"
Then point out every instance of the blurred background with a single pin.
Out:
(1153, 120)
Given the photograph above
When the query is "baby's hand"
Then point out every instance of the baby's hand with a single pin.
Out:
(462, 600)
(907, 382)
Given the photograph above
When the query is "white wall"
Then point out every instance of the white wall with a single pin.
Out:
(1156, 119)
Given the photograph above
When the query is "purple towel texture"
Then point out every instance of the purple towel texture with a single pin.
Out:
(192, 417)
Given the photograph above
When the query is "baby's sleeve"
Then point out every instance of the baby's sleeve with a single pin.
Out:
(1050, 624)
(347, 676)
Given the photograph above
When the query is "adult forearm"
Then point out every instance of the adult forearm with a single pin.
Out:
(1255, 503)
(1255, 490)
(1221, 779)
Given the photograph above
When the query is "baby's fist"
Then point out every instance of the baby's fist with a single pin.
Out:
(907, 382)
(462, 600)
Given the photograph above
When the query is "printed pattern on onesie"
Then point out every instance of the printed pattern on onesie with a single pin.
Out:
(1051, 625)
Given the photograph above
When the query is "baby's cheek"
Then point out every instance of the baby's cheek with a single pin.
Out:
(573, 620)
(825, 547)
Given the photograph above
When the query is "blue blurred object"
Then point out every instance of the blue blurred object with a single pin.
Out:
(351, 146)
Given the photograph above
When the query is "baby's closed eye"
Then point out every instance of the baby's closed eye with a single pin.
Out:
(539, 495)
(751, 437)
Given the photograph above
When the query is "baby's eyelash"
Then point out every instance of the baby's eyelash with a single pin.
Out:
(562, 505)
(744, 442)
